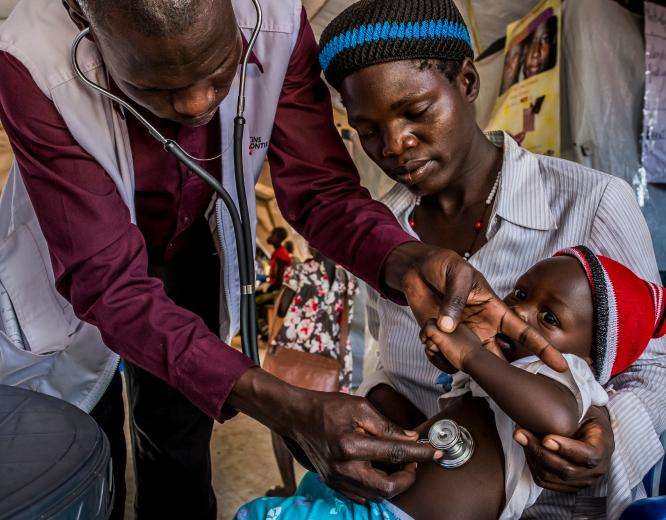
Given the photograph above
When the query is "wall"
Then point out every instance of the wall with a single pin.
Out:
(6, 7)
(5, 157)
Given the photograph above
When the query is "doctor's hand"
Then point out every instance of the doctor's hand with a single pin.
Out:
(568, 465)
(339, 434)
(441, 286)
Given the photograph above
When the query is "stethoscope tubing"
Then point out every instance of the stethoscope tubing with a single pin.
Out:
(240, 217)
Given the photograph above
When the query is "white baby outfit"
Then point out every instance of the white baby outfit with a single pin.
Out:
(520, 489)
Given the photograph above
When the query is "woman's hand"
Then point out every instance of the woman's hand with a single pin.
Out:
(569, 465)
(440, 285)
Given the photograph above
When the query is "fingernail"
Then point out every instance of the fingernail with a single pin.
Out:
(520, 439)
(438, 455)
(446, 324)
(551, 445)
(410, 433)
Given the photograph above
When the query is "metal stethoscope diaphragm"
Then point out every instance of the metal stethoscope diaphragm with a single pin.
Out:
(240, 216)
(453, 440)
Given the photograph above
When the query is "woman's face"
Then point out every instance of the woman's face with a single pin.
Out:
(413, 122)
(538, 51)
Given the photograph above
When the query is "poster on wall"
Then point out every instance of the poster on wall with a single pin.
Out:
(528, 104)
(654, 112)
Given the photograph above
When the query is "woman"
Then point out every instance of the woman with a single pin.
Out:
(409, 92)
(541, 53)
(314, 311)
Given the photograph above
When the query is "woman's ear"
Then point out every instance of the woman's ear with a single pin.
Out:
(469, 80)
(76, 14)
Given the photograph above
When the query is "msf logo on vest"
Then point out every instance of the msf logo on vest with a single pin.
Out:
(257, 143)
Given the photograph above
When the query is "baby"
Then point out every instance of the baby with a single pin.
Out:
(593, 310)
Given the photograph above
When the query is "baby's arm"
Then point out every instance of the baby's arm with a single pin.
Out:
(533, 401)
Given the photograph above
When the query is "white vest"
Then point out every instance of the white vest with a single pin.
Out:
(43, 345)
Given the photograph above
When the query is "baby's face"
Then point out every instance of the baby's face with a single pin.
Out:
(554, 298)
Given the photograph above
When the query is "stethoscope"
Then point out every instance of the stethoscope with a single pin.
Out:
(240, 216)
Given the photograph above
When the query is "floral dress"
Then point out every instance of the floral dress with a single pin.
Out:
(312, 322)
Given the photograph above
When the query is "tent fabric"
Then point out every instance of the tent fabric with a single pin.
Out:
(491, 17)
(604, 87)
(6, 7)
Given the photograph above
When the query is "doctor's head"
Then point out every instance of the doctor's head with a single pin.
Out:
(176, 58)
(405, 72)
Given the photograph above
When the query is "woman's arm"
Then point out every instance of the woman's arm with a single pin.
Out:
(533, 401)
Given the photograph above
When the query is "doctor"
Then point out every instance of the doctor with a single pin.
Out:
(106, 247)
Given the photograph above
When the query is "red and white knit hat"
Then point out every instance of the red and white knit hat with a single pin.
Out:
(628, 312)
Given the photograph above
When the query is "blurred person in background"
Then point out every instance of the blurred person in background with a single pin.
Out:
(280, 258)
(289, 246)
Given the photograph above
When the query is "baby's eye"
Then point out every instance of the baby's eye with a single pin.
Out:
(549, 318)
(519, 294)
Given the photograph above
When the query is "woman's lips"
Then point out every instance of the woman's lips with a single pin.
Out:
(532, 70)
(414, 173)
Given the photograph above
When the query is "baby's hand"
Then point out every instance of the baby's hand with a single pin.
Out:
(455, 347)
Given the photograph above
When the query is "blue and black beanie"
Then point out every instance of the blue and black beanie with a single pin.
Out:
(370, 32)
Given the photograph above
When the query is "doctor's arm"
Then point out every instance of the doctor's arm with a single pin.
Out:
(99, 257)
(101, 267)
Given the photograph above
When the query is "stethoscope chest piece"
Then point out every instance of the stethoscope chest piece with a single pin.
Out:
(454, 441)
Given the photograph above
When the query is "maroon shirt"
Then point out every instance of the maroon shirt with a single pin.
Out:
(100, 259)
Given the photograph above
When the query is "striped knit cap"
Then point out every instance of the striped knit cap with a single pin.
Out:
(628, 312)
(370, 32)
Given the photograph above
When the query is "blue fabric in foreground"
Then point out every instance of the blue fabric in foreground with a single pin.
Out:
(314, 500)
(425, 29)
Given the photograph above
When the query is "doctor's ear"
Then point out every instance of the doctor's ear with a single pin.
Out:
(76, 14)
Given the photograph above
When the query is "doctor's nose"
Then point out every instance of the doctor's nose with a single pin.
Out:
(195, 101)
